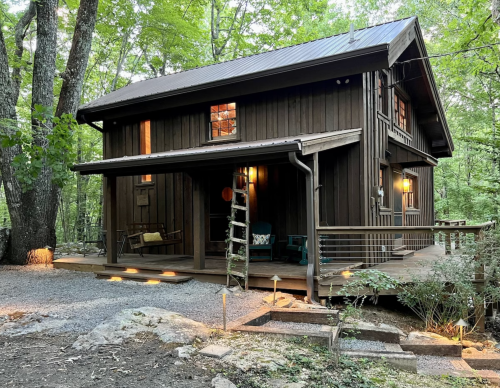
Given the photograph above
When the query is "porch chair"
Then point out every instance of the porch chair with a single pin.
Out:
(148, 235)
(297, 244)
(261, 228)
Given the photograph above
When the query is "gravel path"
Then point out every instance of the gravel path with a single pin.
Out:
(293, 326)
(354, 344)
(435, 362)
(85, 301)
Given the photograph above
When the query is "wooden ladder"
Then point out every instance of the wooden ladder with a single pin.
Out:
(235, 207)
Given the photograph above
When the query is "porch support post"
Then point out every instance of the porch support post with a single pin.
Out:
(111, 220)
(199, 221)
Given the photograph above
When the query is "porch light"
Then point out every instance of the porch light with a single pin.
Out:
(406, 185)
(224, 291)
(251, 176)
(461, 323)
(276, 278)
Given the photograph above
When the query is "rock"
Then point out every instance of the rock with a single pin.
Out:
(4, 242)
(301, 305)
(424, 336)
(470, 344)
(221, 382)
(185, 351)
(300, 384)
(20, 323)
(489, 344)
(284, 303)
(178, 363)
(170, 327)
(216, 351)
(279, 295)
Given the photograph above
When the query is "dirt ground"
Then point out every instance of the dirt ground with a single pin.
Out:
(49, 361)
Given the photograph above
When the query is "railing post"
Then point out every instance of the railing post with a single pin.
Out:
(479, 309)
(447, 243)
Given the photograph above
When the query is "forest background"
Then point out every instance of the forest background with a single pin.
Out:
(141, 39)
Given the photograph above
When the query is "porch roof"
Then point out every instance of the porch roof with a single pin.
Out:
(408, 156)
(270, 149)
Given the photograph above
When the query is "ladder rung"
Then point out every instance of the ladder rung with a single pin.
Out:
(239, 274)
(240, 174)
(238, 256)
(239, 240)
(239, 224)
(240, 191)
(239, 207)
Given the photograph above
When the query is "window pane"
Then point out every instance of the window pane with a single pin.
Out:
(232, 114)
(232, 123)
(223, 119)
(231, 105)
(214, 108)
(214, 117)
(215, 132)
(222, 107)
(216, 125)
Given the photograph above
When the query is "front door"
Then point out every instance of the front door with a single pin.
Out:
(397, 184)
(220, 209)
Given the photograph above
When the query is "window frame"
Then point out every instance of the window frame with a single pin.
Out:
(383, 95)
(145, 146)
(412, 192)
(223, 138)
(383, 183)
(400, 97)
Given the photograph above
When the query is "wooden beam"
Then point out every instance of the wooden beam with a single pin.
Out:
(199, 221)
(428, 119)
(318, 145)
(111, 220)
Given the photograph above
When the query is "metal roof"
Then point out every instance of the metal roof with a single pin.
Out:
(218, 152)
(330, 47)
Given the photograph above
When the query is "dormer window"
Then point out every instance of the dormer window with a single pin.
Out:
(223, 121)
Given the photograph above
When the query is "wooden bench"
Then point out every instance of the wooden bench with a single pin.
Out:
(136, 231)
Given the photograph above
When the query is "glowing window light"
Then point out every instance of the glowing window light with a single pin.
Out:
(167, 273)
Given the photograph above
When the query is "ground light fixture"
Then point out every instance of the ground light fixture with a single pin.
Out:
(461, 323)
(224, 291)
(276, 279)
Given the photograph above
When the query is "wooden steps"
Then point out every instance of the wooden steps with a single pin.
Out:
(140, 275)
(402, 254)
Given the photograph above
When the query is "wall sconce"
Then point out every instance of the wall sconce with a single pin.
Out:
(276, 278)
(251, 175)
(406, 185)
(224, 291)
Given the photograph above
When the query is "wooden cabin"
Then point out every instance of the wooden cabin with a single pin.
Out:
(340, 132)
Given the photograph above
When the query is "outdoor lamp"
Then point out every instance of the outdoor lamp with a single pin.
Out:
(406, 185)
(461, 323)
(224, 291)
(276, 278)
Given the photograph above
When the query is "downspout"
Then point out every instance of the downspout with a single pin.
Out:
(311, 246)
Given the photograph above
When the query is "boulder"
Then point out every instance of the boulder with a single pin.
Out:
(470, 344)
(221, 382)
(279, 296)
(4, 242)
(185, 351)
(169, 326)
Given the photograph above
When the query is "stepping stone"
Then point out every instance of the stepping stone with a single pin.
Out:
(460, 365)
(393, 348)
(481, 360)
(216, 351)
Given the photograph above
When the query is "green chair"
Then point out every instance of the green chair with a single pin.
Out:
(261, 228)
(297, 244)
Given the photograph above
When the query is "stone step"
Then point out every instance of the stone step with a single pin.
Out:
(439, 347)
(402, 360)
(481, 360)
(141, 277)
(402, 254)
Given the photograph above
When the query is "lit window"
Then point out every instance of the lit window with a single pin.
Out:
(401, 113)
(145, 144)
(222, 120)
(410, 193)
(381, 185)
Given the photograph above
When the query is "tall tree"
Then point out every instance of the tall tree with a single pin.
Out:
(33, 208)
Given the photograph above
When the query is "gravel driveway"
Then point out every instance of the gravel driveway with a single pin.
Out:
(82, 302)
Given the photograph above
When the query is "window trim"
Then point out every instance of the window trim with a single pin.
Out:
(414, 185)
(400, 95)
(145, 148)
(225, 138)
(383, 93)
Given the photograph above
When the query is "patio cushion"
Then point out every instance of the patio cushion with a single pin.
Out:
(261, 239)
(148, 237)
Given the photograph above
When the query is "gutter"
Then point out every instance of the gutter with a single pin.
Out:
(311, 247)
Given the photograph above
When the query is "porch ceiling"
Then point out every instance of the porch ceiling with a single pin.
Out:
(212, 155)
(408, 156)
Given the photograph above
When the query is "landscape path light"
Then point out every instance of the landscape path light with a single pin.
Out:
(276, 278)
(224, 291)
(461, 323)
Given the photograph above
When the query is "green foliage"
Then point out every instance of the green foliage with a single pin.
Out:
(46, 144)
(448, 291)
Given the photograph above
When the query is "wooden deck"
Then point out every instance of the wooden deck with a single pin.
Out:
(293, 275)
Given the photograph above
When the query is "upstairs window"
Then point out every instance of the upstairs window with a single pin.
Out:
(401, 113)
(223, 121)
(382, 93)
(145, 144)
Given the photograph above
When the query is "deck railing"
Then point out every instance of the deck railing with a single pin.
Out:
(371, 245)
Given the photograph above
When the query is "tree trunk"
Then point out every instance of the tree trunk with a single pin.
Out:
(33, 213)
(495, 11)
